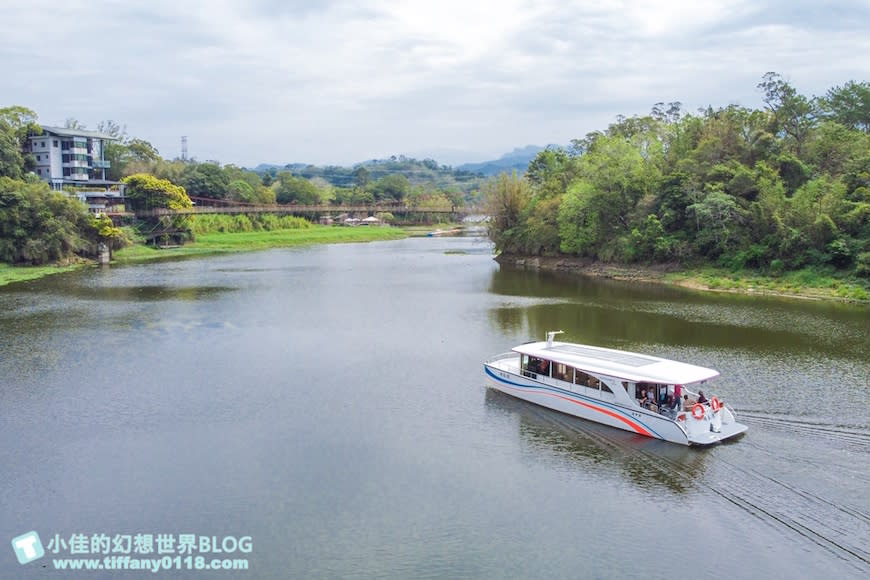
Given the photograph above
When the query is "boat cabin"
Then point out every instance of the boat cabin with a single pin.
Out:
(649, 382)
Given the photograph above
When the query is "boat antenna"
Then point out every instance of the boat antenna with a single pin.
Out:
(550, 336)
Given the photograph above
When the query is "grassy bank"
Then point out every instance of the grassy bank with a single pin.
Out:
(223, 242)
(10, 274)
(218, 243)
(806, 283)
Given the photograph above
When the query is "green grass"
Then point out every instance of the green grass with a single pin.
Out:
(10, 274)
(221, 242)
(806, 283)
(218, 243)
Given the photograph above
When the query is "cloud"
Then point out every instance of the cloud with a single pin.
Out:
(343, 81)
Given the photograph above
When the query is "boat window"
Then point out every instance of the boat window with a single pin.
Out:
(605, 388)
(563, 372)
(535, 366)
(585, 379)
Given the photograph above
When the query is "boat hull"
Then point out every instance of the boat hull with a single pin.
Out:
(685, 431)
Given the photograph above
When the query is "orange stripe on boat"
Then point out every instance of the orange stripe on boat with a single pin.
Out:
(637, 428)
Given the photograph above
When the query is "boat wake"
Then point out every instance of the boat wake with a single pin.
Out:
(806, 493)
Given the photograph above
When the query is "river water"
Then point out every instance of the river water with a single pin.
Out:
(330, 404)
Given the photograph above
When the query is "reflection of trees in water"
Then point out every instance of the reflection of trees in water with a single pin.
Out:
(649, 463)
(617, 313)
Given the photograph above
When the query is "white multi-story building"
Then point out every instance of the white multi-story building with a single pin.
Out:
(75, 157)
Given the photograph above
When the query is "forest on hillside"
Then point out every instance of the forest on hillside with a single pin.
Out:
(775, 189)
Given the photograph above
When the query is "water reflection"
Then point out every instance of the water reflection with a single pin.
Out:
(616, 314)
(146, 293)
(650, 464)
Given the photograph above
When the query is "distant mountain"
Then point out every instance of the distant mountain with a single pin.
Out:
(518, 160)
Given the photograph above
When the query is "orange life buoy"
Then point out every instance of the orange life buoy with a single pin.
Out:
(714, 402)
(698, 411)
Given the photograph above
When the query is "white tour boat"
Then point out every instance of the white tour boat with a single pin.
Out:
(608, 386)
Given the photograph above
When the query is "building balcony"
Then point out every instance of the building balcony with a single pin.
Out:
(101, 164)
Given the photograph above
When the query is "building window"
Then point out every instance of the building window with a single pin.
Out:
(55, 142)
(37, 158)
(66, 172)
(43, 143)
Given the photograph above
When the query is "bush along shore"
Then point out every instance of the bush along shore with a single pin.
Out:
(212, 242)
(800, 284)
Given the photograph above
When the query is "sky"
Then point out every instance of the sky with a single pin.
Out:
(341, 82)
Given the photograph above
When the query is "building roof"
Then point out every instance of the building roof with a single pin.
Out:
(64, 132)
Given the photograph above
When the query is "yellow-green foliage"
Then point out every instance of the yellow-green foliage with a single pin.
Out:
(217, 223)
(145, 191)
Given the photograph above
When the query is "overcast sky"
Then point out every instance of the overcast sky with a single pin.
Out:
(339, 82)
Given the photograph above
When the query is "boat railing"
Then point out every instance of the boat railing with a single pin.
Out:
(503, 356)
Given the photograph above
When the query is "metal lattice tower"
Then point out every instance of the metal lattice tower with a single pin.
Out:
(184, 147)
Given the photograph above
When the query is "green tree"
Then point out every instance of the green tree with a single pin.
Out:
(38, 225)
(393, 187)
(551, 171)
(145, 191)
(579, 220)
(717, 217)
(793, 113)
(240, 190)
(361, 177)
(291, 189)
(848, 105)
(16, 124)
(506, 197)
(205, 180)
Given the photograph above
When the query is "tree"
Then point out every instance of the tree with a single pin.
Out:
(240, 190)
(149, 192)
(38, 225)
(205, 180)
(793, 114)
(16, 124)
(551, 171)
(393, 187)
(717, 216)
(291, 189)
(113, 129)
(11, 159)
(848, 105)
(361, 177)
(506, 197)
(142, 151)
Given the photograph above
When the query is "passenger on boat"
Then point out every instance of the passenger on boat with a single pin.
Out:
(644, 399)
(678, 393)
(701, 397)
(687, 403)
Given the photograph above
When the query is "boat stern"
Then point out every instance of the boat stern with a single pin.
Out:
(712, 426)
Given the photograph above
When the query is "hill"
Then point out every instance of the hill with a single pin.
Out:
(517, 160)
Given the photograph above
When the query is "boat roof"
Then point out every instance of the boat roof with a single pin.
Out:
(618, 363)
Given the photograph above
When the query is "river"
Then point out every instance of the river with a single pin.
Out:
(322, 413)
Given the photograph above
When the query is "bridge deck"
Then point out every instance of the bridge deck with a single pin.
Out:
(298, 209)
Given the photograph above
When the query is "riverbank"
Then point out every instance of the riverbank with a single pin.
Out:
(800, 284)
(216, 243)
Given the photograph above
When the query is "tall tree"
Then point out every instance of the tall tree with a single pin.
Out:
(849, 105)
(793, 113)
(16, 124)
(506, 198)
